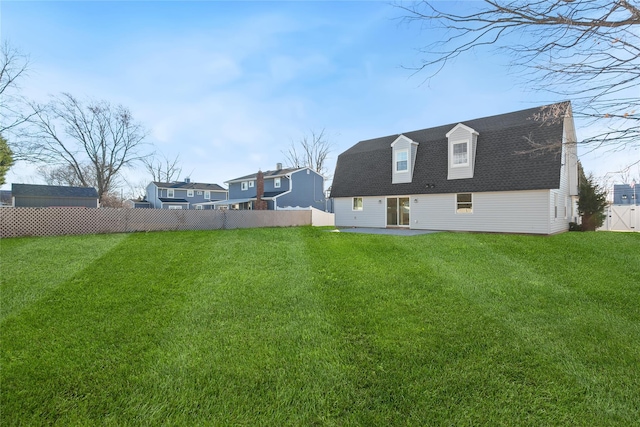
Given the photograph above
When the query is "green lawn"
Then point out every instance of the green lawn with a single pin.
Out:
(302, 327)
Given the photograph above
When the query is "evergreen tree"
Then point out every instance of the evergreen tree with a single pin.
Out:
(6, 158)
(591, 204)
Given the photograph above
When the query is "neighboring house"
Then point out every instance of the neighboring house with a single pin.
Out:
(494, 174)
(625, 194)
(138, 204)
(42, 196)
(282, 188)
(5, 198)
(184, 195)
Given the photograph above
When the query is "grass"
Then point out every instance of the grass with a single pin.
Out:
(303, 327)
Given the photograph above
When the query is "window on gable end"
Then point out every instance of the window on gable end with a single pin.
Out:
(402, 163)
(357, 204)
(460, 154)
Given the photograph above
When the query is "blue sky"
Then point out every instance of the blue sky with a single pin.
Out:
(229, 85)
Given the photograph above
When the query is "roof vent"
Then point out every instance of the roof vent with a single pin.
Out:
(278, 166)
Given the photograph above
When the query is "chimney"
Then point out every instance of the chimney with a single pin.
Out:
(187, 180)
(278, 166)
(260, 205)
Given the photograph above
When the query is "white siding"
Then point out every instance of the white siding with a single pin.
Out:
(504, 212)
(372, 214)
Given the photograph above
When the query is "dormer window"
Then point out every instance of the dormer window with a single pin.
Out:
(460, 154)
(462, 141)
(402, 163)
(403, 159)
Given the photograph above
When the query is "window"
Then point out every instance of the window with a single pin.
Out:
(199, 193)
(401, 161)
(357, 203)
(170, 193)
(207, 195)
(250, 184)
(244, 186)
(189, 193)
(464, 203)
(276, 182)
(175, 207)
(460, 155)
(199, 207)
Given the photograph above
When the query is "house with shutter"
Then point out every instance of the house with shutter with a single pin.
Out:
(510, 173)
(183, 195)
(276, 189)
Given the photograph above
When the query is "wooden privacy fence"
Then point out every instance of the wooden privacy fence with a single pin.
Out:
(17, 222)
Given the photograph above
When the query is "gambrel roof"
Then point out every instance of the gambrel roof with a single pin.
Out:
(505, 159)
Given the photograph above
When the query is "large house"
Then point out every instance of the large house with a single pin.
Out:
(43, 196)
(512, 173)
(184, 195)
(277, 189)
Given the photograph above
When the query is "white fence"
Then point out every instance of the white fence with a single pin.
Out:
(622, 218)
(16, 222)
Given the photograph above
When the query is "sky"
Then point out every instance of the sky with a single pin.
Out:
(229, 86)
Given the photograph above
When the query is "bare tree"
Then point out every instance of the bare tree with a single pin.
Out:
(584, 50)
(14, 67)
(161, 168)
(311, 151)
(66, 175)
(104, 137)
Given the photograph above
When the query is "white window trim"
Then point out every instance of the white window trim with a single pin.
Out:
(250, 184)
(207, 195)
(458, 210)
(405, 151)
(353, 204)
(199, 193)
(244, 186)
(277, 183)
(171, 193)
(451, 155)
(189, 193)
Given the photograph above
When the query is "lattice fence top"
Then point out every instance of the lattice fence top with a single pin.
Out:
(17, 222)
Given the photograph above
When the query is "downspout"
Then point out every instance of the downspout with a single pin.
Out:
(275, 199)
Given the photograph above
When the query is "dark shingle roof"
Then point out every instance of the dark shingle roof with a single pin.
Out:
(30, 190)
(266, 174)
(504, 159)
(190, 186)
(167, 200)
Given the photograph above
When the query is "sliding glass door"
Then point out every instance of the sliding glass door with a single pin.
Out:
(398, 212)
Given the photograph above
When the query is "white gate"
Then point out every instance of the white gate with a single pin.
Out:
(622, 218)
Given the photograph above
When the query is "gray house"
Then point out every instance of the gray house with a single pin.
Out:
(41, 196)
(514, 173)
(184, 195)
(281, 188)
